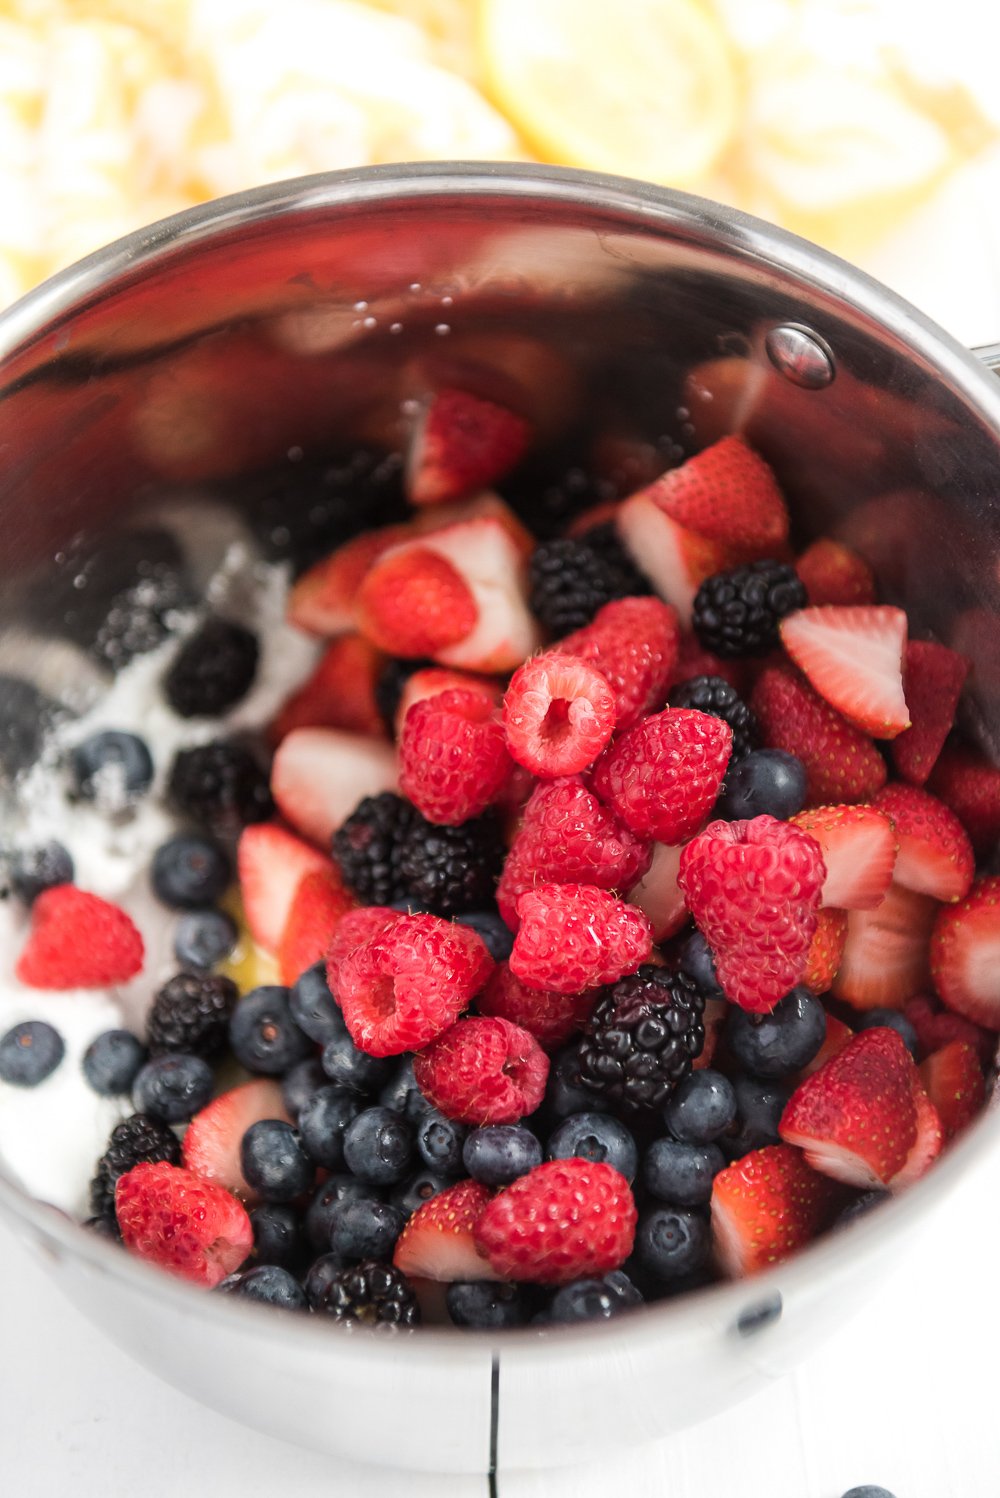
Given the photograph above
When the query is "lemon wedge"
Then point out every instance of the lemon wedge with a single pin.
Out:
(646, 88)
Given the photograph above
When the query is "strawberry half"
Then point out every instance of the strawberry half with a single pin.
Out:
(438, 1241)
(339, 694)
(842, 763)
(853, 656)
(318, 906)
(965, 954)
(836, 1037)
(885, 957)
(859, 850)
(211, 1148)
(676, 560)
(726, 493)
(318, 776)
(953, 1079)
(970, 785)
(855, 1118)
(324, 600)
(927, 1144)
(765, 1207)
(833, 573)
(78, 940)
(933, 678)
(935, 856)
(462, 443)
(492, 566)
(826, 950)
(413, 602)
(272, 862)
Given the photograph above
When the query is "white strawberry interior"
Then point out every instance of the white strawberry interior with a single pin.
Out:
(835, 1161)
(658, 894)
(658, 547)
(320, 774)
(850, 856)
(492, 566)
(729, 1246)
(976, 956)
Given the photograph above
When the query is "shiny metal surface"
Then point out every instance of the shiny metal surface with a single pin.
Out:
(801, 356)
(264, 330)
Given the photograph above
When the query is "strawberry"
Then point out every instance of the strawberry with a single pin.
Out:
(953, 1079)
(658, 894)
(855, 1118)
(859, 850)
(663, 776)
(885, 958)
(453, 760)
(318, 905)
(339, 694)
(832, 573)
(271, 863)
(438, 1241)
(694, 660)
(714, 1021)
(928, 1142)
(564, 1220)
(483, 1071)
(414, 601)
(324, 600)
(765, 1207)
(936, 1027)
(318, 776)
(826, 950)
(575, 936)
(187, 1226)
(853, 657)
(728, 494)
(970, 785)
(550, 1017)
(558, 714)
(842, 764)
(965, 954)
(837, 1036)
(633, 642)
(211, 1147)
(78, 940)
(460, 444)
(676, 560)
(933, 677)
(493, 567)
(484, 506)
(935, 856)
(433, 680)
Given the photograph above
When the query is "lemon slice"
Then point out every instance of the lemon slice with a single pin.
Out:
(642, 87)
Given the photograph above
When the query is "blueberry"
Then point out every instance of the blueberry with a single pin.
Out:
(496, 934)
(594, 1299)
(895, 1021)
(112, 769)
(868, 1491)
(672, 1243)
(189, 872)
(36, 869)
(417, 1189)
(486, 1305)
(595, 1136)
(378, 1147)
(323, 1119)
(337, 1189)
(439, 1142)
(300, 1082)
(498, 1153)
(172, 1087)
(402, 1095)
(350, 1067)
(29, 1053)
(776, 1044)
(314, 1009)
(273, 1161)
(204, 937)
(321, 1274)
(564, 1094)
(702, 1107)
(681, 1174)
(365, 1229)
(269, 1284)
(861, 1206)
(759, 1106)
(694, 957)
(111, 1062)
(277, 1234)
(767, 782)
(262, 1034)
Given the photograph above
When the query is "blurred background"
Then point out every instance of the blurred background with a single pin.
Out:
(872, 126)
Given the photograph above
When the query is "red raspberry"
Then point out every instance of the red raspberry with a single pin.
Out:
(188, 1226)
(754, 890)
(550, 1017)
(937, 1027)
(401, 988)
(453, 757)
(567, 837)
(483, 1071)
(78, 940)
(664, 775)
(842, 763)
(562, 1221)
(633, 642)
(413, 601)
(573, 936)
(558, 713)
(355, 929)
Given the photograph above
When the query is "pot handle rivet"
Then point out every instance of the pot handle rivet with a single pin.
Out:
(800, 355)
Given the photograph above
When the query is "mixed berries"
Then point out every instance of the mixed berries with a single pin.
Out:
(609, 918)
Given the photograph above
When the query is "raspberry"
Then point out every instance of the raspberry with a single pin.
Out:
(570, 579)
(634, 644)
(452, 870)
(842, 764)
(413, 602)
(483, 1071)
(188, 1226)
(558, 713)
(562, 1221)
(737, 613)
(221, 786)
(191, 1013)
(78, 940)
(663, 776)
(550, 1017)
(567, 837)
(642, 1037)
(366, 847)
(452, 755)
(573, 936)
(405, 985)
(355, 929)
(136, 1140)
(754, 890)
(713, 694)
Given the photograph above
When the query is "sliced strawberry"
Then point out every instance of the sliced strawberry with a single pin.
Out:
(826, 950)
(414, 601)
(832, 573)
(319, 775)
(954, 1082)
(970, 785)
(462, 443)
(211, 1147)
(935, 856)
(78, 940)
(324, 599)
(842, 763)
(928, 1142)
(854, 659)
(319, 904)
(936, 1027)
(765, 1207)
(859, 850)
(434, 680)
(933, 678)
(438, 1241)
(965, 954)
(485, 506)
(271, 863)
(714, 1020)
(837, 1036)
(494, 569)
(726, 493)
(339, 694)
(885, 958)
(855, 1118)
(659, 895)
(676, 561)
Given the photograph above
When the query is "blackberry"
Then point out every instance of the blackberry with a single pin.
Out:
(191, 1014)
(571, 578)
(642, 1037)
(389, 687)
(212, 670)
(371, 1294)
(367, 846)
(220, 786)
(713, 694)
(135, 1141)
(737, 613)
(452, 870)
